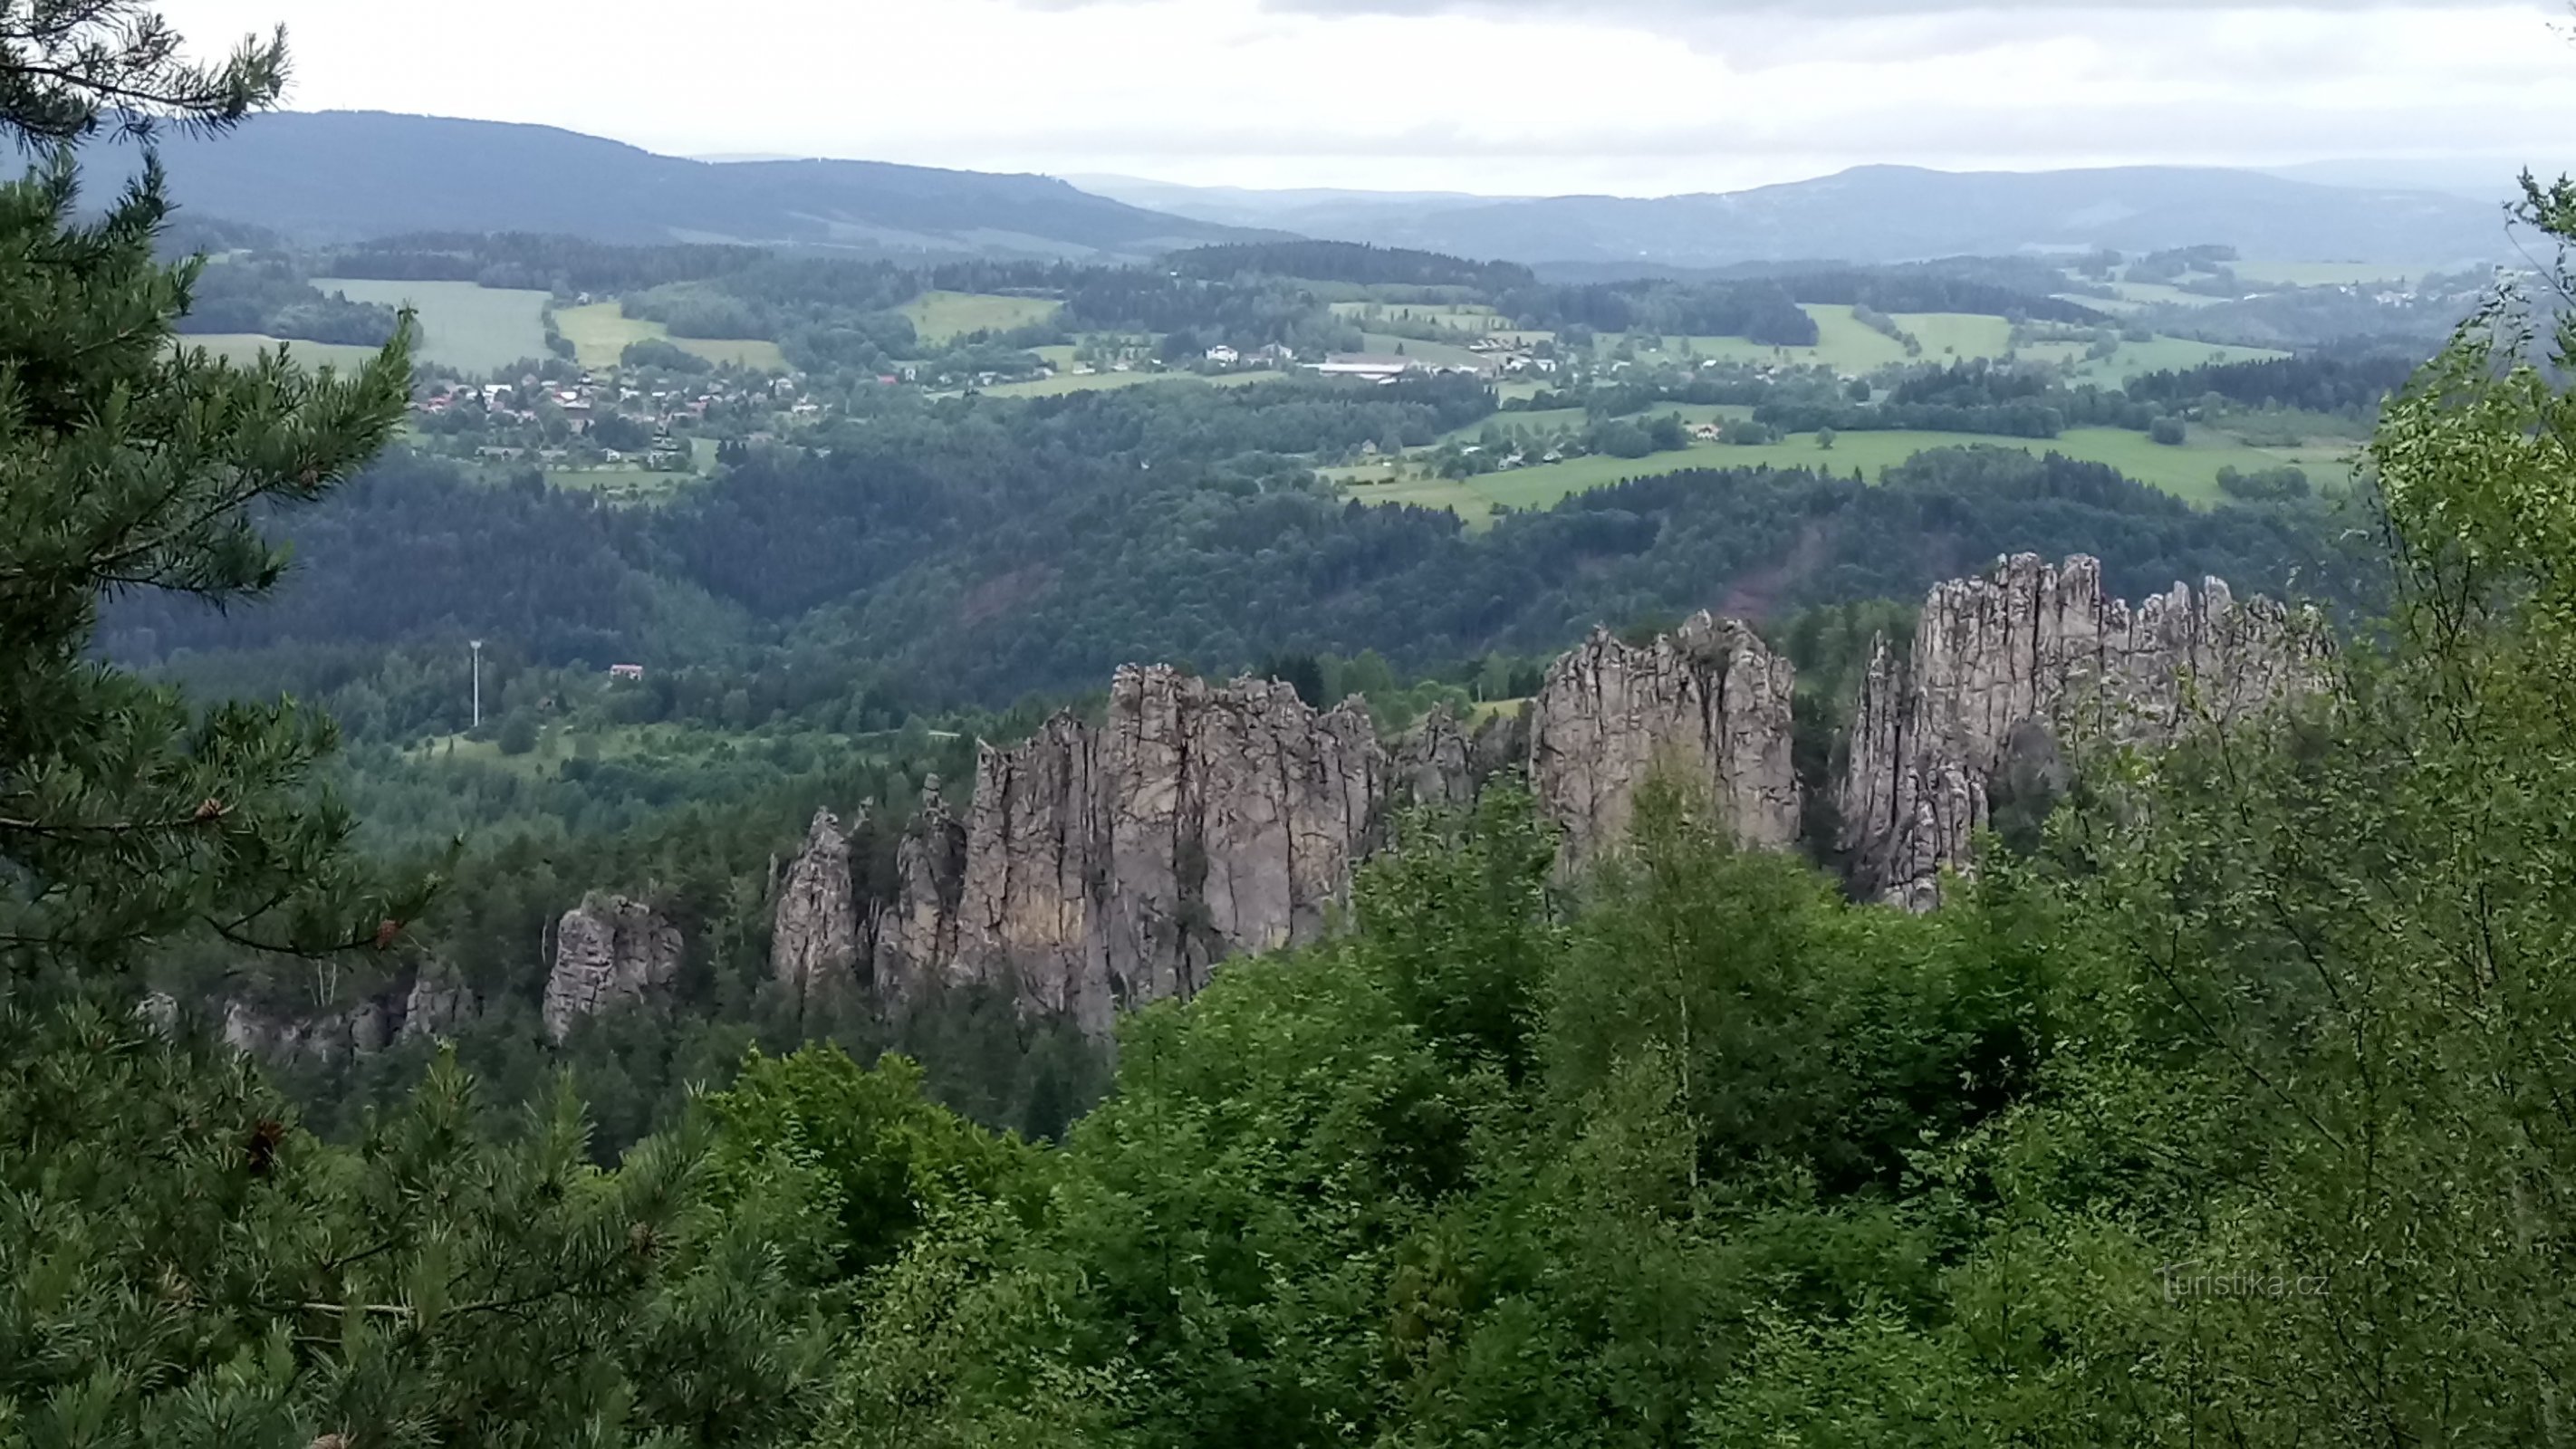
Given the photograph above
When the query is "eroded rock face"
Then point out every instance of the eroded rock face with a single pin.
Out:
(1710, 702)
(359, 1029)
(609, 950)
(1102, 867)
(814, 944)
(436, 1004)
(915, 934)
(2034, 642)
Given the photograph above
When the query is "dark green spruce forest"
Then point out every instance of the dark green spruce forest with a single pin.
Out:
(2225, 1105)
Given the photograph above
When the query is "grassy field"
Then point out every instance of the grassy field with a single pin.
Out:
(941, 316)
(600, 332)
(1846, 345)
(1958, 334)
(2189, 472)
(2152, 293)
(472, 329)
(243, 347)
(1551, 420)
(2136, 359)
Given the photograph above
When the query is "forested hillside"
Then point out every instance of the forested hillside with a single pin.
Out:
(350, 175)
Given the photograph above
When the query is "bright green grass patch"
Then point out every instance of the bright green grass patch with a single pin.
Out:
(1846, 344)
(2136, 359)
(2189, 472)
(473, 329)
(757, 354)
(600, 334)
(1457, 497)
(941, 316)
(1958, 335)
(1544, 420)
(245, 347)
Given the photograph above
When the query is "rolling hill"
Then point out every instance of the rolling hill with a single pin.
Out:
(1902, 213)
(347, 175)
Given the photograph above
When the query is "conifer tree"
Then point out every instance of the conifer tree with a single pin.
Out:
(180, 1263)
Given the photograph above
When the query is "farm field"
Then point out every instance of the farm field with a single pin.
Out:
(2136, 359)
(939, 317)
(473, 329)
(600, 332)
(2189, 472)
(245, 347)
(1846, 345)
(1549, 420)
(2154, 293)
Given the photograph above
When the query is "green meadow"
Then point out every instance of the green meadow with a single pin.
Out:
(599, 334)
(2189, 471)
(246, 347)
(477, 330)
(940, 317)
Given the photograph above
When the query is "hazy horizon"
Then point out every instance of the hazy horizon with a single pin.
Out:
(1493, 97)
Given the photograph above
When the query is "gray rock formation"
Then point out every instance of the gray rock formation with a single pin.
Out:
(609, 950)
(1111, 865)
(436, 1003)
(1710, 702)
(915, 934)
(359, 1029)
(1435, 765)
(2032, 642)
(814, 943)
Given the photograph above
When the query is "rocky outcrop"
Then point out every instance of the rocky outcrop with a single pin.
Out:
(1710, 703)
(609, 950)
(436, 1003)
(1104, 866)
(1435, 765)
(360, 1029)
(1940, 732)
(915, 934)
(814, 943)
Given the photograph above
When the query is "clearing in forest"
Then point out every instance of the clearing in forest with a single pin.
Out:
(941, 317)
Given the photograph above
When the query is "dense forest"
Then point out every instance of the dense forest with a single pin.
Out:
(982, 562)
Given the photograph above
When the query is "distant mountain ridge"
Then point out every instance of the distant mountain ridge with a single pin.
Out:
(1875, 214)
(336, 176)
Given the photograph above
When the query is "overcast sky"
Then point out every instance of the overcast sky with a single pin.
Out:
(1636, 97)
